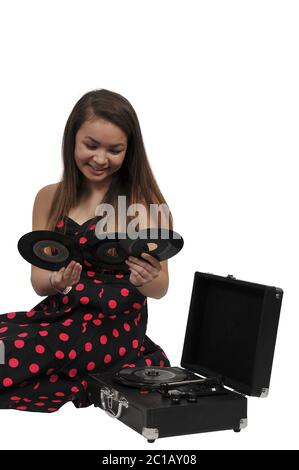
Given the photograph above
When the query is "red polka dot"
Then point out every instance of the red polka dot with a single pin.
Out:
(43, 333)
(97, 322)
(74, 389)
(52, 409)
(36, 386)
(115, 333)
(19, 343)
(107, 358)
(103, 339)
(65, 299)
(39, 403)
(87, 316)
(22, 408)
(39, 349)
(135, 343)
(91, 366)
(59, 394)
(27, 400)
(88, 347)
(101, 315)
(79, 287)
(15, 398)
(53, 378)
(136, 305)
(44, 324)
(82, 240)
(11, 315)
(22, 335)
(112, 303)
(73, 372)
(122, 351)
(68, 309)
(3, 329)
(84, 300)
(162, 363)
(72, 354)
(119, 276)
(124, 292)
(64, 337)
(13, 362)
(127, 327)
(68, 322)
(34, 368)
(31, 313)
(60, 224)
(97, 281)
(148, 362)
(90, 273)
(7, 382)
(59, 354)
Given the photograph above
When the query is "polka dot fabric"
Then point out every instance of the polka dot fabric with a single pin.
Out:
(99, 326)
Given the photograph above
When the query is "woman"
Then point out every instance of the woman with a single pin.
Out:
(92, 320)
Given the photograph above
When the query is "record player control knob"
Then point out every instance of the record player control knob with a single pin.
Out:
(191, 396)
(152, 372)
(175, 396)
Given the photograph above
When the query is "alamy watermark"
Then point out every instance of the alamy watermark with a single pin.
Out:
(107, 212)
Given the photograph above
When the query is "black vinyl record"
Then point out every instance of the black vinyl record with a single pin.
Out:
(149, 377)
(115, 248)
(32, 246)
(109, 252)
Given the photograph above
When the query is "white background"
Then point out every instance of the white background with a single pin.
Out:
(215, 87)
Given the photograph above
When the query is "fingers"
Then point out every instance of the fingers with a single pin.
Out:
(145, 268)
(71, 274)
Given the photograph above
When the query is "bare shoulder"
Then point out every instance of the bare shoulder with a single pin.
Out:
(41, 206)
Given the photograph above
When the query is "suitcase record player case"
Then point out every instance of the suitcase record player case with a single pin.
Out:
(227, 354)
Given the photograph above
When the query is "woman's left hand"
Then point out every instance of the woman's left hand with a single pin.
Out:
(145, 271)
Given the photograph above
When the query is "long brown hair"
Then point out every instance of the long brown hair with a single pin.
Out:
(134, 179)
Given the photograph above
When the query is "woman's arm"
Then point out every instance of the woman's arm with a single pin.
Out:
(40, 277)
(158, 287)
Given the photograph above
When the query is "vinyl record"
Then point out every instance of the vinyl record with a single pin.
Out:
(149, 377)
(158, 242)
(107, 252)
(32, 246)
(112, 251)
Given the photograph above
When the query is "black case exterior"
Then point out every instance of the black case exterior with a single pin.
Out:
(154, 417)
(231, 331)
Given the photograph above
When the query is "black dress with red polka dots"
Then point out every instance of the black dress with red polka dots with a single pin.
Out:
(99, 326)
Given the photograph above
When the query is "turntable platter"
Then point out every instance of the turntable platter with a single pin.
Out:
(149, 377)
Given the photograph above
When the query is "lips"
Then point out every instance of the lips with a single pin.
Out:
(96, 169)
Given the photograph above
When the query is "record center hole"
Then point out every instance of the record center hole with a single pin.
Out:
(152, 246)
(112, 252)
(50, 250)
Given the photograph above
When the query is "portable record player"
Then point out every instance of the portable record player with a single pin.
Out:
(227, 354)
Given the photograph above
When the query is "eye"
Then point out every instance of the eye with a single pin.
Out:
(91, 147)
(115, 151)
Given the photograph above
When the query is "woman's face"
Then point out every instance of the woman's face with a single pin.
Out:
(100, 149)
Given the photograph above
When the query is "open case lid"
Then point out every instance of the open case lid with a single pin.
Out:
(231, 331)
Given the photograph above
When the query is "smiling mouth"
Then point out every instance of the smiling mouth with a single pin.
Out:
(97, 169)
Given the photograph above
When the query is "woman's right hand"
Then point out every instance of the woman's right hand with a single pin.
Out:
(66, 276)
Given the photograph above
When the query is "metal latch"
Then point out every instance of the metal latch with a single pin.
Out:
(108, 397)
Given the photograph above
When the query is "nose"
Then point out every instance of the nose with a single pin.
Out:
(100, 158)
